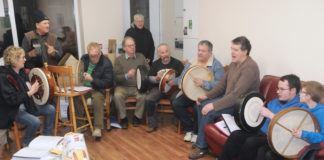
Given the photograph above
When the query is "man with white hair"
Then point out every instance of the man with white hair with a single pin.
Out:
(143, 38)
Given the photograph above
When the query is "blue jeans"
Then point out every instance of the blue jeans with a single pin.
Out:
(32, 123)
(179, 106)
(210, 117)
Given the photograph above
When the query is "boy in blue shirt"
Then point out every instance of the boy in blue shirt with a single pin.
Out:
(311, 94)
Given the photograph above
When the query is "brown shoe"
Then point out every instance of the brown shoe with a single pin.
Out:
(150, 130)
(198, 153)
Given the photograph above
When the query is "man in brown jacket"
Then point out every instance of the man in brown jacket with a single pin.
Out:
(242, 77)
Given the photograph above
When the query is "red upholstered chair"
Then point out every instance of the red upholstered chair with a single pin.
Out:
(268, 88)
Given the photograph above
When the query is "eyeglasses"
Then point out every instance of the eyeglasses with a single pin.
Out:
(94, 56)
(303, 92)
(130, 46)
(282, 89)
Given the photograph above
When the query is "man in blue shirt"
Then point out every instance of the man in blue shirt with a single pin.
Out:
(245, 145)
(206, 59)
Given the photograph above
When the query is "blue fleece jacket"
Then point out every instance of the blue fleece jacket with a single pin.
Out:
(312, 137)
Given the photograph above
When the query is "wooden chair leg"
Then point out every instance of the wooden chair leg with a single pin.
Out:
(7, 146)
(108, 110)
(72, 115)
(58, 111)
(17, 137)
(87, 113)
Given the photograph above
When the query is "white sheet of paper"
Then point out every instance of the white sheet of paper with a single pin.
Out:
(230, 122)
(1, 61)
(45, 142)
(28, 152)
(39, 147)
(81, 88)
(220, 125)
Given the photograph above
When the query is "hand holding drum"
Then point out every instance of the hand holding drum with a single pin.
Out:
(296, 133)
(171, 82)
(131, 73)
(198, 82)
(159, 75)
(265, 112)
(34, 88)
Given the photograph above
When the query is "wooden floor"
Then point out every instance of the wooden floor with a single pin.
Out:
(135, 143)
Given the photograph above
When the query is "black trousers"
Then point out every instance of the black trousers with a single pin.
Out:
(265, 153)
(243, 145)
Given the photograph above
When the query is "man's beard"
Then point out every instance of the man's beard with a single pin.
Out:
(165, 59)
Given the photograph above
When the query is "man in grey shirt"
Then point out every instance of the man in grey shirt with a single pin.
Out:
(124, 74)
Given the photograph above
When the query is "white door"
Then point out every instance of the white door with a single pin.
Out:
(154, 11)
(190, 29)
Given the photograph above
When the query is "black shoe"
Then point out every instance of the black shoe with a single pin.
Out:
(97, 139)
(136, 121)
(124, 123)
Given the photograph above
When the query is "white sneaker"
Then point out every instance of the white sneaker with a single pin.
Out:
(96, 132)
(187, 137)
(194, 138)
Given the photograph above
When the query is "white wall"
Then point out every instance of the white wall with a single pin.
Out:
(171, 27)
(102, 20)
(286, 36)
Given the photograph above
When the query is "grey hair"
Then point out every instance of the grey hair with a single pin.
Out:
(138, 15)
(163, 44)
(207, 43)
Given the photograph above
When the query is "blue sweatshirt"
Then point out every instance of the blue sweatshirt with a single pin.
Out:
(312, 137)
(275, 106)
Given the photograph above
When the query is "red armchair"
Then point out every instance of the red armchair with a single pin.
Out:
(268, 88)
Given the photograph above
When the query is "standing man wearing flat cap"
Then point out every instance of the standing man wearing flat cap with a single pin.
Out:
(40, 45)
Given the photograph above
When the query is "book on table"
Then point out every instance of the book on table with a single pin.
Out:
(39, 148)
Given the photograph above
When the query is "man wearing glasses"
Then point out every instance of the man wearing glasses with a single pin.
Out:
(143, 38)
(250, 145)
(98, 74)
(124, 75)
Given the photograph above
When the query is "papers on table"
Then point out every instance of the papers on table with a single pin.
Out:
(77, 89)
(39, 148)
(80, 88)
